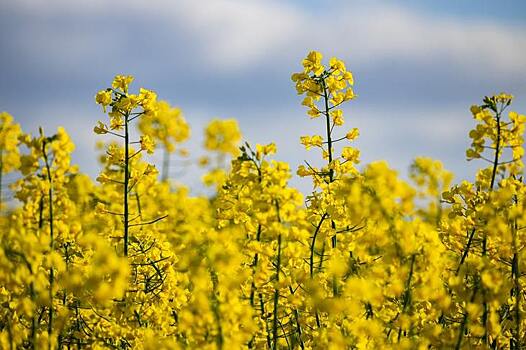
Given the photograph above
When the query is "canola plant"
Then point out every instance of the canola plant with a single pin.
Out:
(365, 261)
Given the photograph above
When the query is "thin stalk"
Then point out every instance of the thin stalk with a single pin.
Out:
(461, 332)
(466, 250)
(215, 309)
(331, 171)
(138, 200)
(51, 240)
(516, 285)
(254, 265)
(407, 293)
(298, 328)
(328, 125)
(313, 245)
(33, 318)
(276, 298)
(78, 327)
(497, 151)
(322, 256)
(485, 234)
(126, 180)
(263, 316)
(258, 238)
(493, 175)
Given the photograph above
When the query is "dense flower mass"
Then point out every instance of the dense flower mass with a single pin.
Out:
(365, 261)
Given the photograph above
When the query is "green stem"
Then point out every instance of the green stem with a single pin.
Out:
(517, 286)
(126, 180)
(407, 293)
(493, 176)
(51, 240)
(485, 234)
(264, 317)
(298, 328)
(497, 151)
(78, 325)
(322, 256)
(258, 238)
(215, 306)
(313, 245)
(328, 125)
(331, 171)
(254, 266)
(466, 250)
(276, 298)
(33, 318)
(138, 201)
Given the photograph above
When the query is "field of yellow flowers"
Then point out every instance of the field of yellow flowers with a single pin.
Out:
(365, 261)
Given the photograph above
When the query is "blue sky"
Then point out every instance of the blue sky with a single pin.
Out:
(418, 65)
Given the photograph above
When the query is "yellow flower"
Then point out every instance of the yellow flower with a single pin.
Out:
(313, 63)
(352, 134)
(337, 64)
(148, 101)
(100, 128)
(151, 170)
(166, 126)
(351, 154)
(116, 121)
(103, 98)
(147, 144)
(337, 117)
(122, 82)
(265, 150)
(103, 178)
(310, 141)
(223, 136)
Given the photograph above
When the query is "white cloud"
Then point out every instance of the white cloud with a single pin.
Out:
(234, 35)
(390, 32)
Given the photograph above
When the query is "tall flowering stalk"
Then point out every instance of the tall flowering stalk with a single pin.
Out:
(488, 211)
(326, 89)
(123, 111)
(256, 196)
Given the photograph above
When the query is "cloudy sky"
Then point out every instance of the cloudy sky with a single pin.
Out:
(418, 66)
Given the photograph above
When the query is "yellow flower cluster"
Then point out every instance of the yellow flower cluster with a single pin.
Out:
(326, 89)
(331, 85)
(123, 104)
(222, 138)
(168, 126)
(365, 261)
